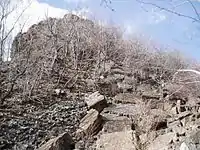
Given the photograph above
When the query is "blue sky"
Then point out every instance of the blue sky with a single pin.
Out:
(162, 27)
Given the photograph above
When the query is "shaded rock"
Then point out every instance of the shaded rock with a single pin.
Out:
(117, 140)
(91, 124)
(159, 124)
(96, 101)
(62, 142)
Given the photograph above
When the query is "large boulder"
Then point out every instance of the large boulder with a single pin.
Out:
(116, 141)
(96, 101)
(91, 124)
(114, 123)
(62, 142)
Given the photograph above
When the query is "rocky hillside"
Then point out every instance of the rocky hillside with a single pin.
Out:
(73, 84)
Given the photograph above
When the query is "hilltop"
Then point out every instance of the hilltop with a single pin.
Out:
(76, 81)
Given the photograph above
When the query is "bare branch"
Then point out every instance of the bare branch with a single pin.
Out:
(172, 11)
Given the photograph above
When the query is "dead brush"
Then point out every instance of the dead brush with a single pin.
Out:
(147, 122)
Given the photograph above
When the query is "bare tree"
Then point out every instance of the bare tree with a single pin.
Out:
(7, 9)
(9, 73)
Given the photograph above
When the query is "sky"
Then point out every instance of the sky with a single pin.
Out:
(133, 17)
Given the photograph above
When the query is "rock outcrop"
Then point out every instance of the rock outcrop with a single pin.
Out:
(91, 124)
(96, 101)
(62, 142)
(116, 140)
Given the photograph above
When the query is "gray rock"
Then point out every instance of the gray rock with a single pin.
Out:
(91, 124)
(96, 101)
(117, 125)
(116, 140)
(62, 142)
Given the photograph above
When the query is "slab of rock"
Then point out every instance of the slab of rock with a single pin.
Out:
(62, 142)
(96, 101)
(91, 124)
(117, 125)
(162, 142)
(124, 109)
(116, 141)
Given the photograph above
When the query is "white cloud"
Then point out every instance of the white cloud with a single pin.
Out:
(35, 12)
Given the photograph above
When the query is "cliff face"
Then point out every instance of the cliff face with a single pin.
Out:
(60, 51)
